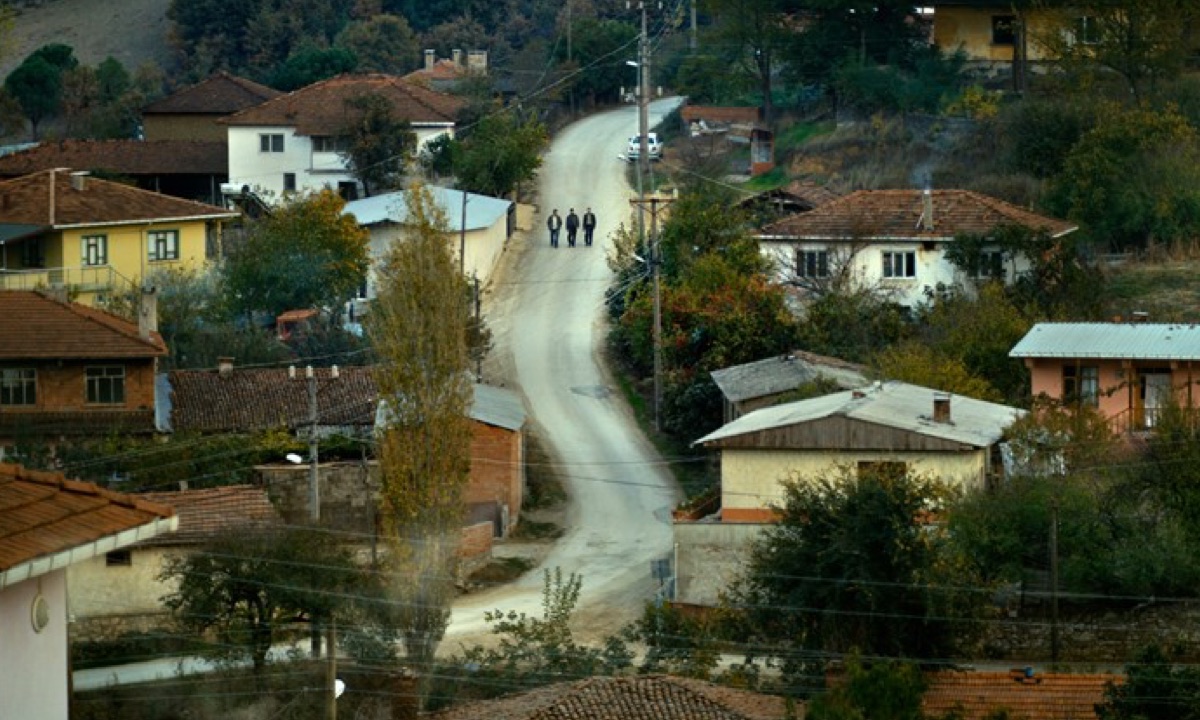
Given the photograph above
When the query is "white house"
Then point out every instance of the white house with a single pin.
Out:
(50, 523)
(895, 241)
(294, 142)
(479, 229)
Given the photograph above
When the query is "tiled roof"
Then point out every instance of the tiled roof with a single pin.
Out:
(645, 697)
(897, 215)
(1112, 341)
(245, 400)
(1045, 696)
(94, 202)
(92, 422)
(35, 326)
(810, 192)
(445, 69)
(126, 157)
(220, 94)
(48, 522)
(207, 513)
(321, 109)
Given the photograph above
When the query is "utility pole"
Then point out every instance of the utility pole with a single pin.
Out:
(643, 105)
(655, 264)
(331, 670)
(462, 237)
(314, 486)
(479, 327)
(692, 41)
(1054, 639)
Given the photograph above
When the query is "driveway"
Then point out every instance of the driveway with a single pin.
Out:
(547, 313)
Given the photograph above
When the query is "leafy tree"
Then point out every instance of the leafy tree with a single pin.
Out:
(676, 642)
(246, 586)
(885, 690)
(80, 100)
(1039, 132)
(860, 31)
(306, 254)
(602, 46)
(1132, 180)
(310, 64)
(917, 363)
(500, 153)
(760, 32)
(923, 86)
(462, 32)
(114, 80)
(281, 28)
(383, 43)
(1154, 689)
(853, 324)
(37, 87)
(418, 328)
(853, 564)
(379, 143)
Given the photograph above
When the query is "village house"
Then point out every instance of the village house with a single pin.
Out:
(50, 524)
(447, 74)
(754, 385)
(191, 113)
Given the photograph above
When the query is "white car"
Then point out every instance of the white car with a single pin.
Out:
(653, 147)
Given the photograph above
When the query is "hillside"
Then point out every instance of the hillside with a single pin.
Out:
(131, 31)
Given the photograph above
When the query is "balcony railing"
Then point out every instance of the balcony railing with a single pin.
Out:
(101, 278)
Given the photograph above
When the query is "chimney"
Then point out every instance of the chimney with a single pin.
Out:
(1139, 316)
(941, 408)
(926, 221)
(291, 372)
(148, 312)
(477, 61)
(457, 56)
(430, 59)
(225, 366)
(333, 372)
(79, 180)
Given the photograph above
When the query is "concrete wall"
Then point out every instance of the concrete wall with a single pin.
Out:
(708, 556)
(1120, 387)
(483, 249)
(750, 479)
(970, 28)
(33, 665)
(100, 590)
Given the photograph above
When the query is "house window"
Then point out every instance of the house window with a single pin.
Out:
(118, 558)
(289, 182)
(18, 386)
(33, 253)
(95, 250)
(812, 263)
(348, 190)
(106, 385)
(883, 469)
(899, 264)
(270, 142)
(1004, 29)
(1087, 31)
(1081, 385)
(164, 245)
(330, 143)
(989, 265)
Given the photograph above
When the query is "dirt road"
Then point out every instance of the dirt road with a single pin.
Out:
(547, 313)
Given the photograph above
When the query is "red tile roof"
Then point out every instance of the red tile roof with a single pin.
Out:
(320, 108)
(220, 94)
(127, 157)
(810, 192)
(207, 513)
(54, 199)
(43, 514)
(645, 697)
(445, 69)
(35, 326)
(1045, 696)
(897, 215)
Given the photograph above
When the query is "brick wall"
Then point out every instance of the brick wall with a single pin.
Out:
(64, 388)
(475, 548)
(710, 113)
(497, 469)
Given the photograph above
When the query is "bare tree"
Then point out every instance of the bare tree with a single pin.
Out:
(418, 326)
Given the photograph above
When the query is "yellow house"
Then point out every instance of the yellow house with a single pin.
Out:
(94, 238)
(990, 31)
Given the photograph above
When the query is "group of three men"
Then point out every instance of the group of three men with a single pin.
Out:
(554, 223)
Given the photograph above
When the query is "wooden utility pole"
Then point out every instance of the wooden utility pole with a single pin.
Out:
(331, 670)
(655, 258)
(1054, 639)
(314, 477)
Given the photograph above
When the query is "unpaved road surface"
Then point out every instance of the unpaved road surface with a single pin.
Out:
(547, 314)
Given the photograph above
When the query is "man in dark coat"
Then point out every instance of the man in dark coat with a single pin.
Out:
(554, 224)
(589, 226)
(572, 227)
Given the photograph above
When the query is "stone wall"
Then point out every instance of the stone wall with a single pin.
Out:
(113, 627)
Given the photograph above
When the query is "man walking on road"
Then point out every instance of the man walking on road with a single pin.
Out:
(589, 226)
(554, 224)
(572, 227)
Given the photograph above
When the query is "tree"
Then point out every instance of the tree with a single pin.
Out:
(499, 154)
(247, 585)
(919, 364)
(310, 64)
(1154, 689)
(862, 32)
(383, 43)
(854, 563)
(886, 690)
(37, 87)
(601, 46)
(379, 144)
(759, 31)
(306, 254)
(418, 328)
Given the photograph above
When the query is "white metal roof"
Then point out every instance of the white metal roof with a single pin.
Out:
(482, 211)
(892, 404)
(1126, 341)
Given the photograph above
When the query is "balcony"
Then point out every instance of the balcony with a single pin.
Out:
(98, 279)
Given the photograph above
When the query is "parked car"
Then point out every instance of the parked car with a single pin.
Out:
(653, 147)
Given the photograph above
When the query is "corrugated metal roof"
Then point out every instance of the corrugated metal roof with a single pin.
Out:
(1125, 341)
(782, 373)
(497, 406)
(893, 404)
(482, 211)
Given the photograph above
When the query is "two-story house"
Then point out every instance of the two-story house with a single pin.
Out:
(296, 142)
(193, 112)
(895, 241)
(62, 229)
(69, 369)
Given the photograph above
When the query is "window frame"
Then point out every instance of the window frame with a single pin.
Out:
(1004, 30)
(104, 381)
(908, 264)
(24, 383)
(119, 558)
(1081, 385)
(99, 243)
(1084, 30)
(812, 264)
(990, 265)
(270, 143)
(33, 253)
(289, 182)
(331, 143)
(153, 239)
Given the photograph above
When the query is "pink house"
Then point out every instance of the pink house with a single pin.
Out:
(1129, 371)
